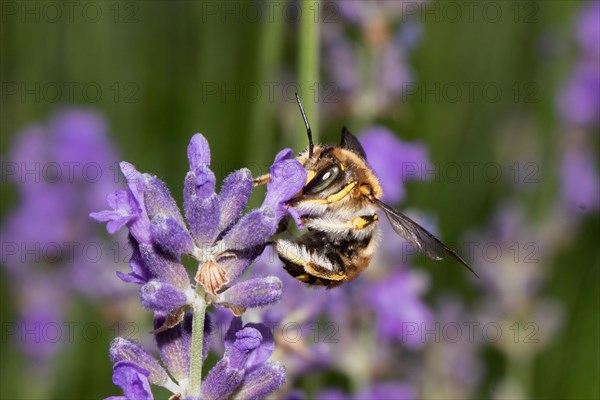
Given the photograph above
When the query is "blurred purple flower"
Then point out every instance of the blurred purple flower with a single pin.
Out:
(341, 60)
(513, 275)
(579, 99)
(394, 161)
(362, 11)
(379, 391)
(388, 391)
(588, 30)
(370, 69)
(399, 308)
(579, 180)
(394, 73)
(49, 251)
(452, 367)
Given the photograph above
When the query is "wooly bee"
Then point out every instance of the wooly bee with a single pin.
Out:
(339, 205)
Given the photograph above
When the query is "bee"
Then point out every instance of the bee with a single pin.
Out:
(339, 206)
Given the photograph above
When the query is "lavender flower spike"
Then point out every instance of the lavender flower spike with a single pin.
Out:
(224, 243)
(243, 370)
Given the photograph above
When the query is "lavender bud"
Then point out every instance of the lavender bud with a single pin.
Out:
(127, 350)
(261, 381)
(234, 195)
(171, 236)
(133, 380)
(161, 296)
(257, 292)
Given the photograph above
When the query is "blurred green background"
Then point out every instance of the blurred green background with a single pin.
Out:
(165, 68)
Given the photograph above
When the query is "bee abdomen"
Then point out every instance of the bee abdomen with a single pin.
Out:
(321, 258)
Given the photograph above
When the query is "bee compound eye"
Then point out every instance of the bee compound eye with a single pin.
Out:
(323, 180)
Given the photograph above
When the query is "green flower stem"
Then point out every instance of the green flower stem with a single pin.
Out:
(308, 67)
(195, 381)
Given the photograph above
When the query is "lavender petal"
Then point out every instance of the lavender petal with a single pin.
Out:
(174, 344)
(170, 236)
(139, 272)
(254, 229)
(163, 268)
(246, 340)
(235, 266)
(133, 379)
(262, 353)
(233, 197)
(198, 152)
(257, 292)
(261, 381)
(227, 374)
(287, 179)
(285, 154)
(120, 214)
(139, 227)
(201, 206)
(221, 381)
(158, 199)
(162, 297)
(126, 350)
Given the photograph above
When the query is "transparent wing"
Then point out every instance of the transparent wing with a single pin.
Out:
(419, 237)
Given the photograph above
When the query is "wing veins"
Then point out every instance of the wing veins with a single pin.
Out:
(425, 242)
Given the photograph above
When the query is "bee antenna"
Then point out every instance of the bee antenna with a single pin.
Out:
(311, 145)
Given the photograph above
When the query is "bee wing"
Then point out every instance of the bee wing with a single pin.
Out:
(419, 237)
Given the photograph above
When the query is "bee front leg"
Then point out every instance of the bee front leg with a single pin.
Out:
(261, 180)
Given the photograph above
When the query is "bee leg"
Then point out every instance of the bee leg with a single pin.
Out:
(261, 180)
(323, 271)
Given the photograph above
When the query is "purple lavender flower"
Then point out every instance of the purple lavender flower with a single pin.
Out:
(50, 253)
(223, 241)
(394, 161)
(579, 100)
(243, 372)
